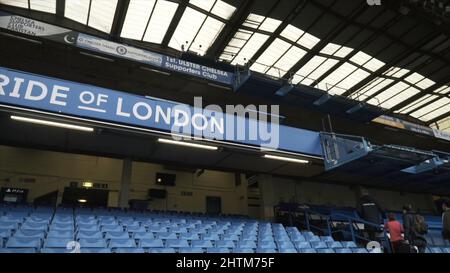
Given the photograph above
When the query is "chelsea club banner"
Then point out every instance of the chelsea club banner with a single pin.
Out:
(35, 28)
(33, 92)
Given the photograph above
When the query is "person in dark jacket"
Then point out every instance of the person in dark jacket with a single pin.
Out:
(446, 221)
(411, 235)
(370, 211)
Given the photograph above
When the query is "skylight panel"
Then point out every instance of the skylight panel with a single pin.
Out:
(286, 62)
(77, 10)
(203, 4)
(339, 74)
(270, 25)
(136, 19)
(43, 5)
(253, 44)
(314, 69)
(360, 58)
(292, 33)
(330, 49)
(253, 21)
(372, 88)
(159, 22)
(353, 79)
(16, 3)
(425, 83)
(374, 64)
(343, 52)
(417, 104)
(308, 40)
(443, 125)
(399, 97)
(442, 90)
(207, 35)
(414, 78)
(187, 28)
(102, 14)
(223, 10)
(432, 110)
(397, 72)
(273, 53)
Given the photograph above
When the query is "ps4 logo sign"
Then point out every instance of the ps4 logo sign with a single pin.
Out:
(374, 2)
(121, 50)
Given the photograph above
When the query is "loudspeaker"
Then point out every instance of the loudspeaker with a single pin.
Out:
(158, 194)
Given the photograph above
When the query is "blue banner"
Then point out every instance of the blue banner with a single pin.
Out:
(36, 28)
(68, 98)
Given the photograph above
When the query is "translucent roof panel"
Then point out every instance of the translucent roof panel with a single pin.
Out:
(223, 10)
(203, 4)
(259, 22)
(160, 20)
(336, 50)
(98, 14)
(338, 75)
(397, 72)
(187, 28)
(39, 5)
(373, 87)
(271, 55)
(423, 101)
(16, 3)
(138, 14)
(77, 10)
(285, 63)
(443, 125)
(300, 37)
(102, 14)
(433, 110)
(396, 94)
(250, 48)
(207, 35)
(43, 5)
(313, 70)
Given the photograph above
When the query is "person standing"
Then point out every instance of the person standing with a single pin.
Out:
(370, 211)
(446, 221)
(415, 229)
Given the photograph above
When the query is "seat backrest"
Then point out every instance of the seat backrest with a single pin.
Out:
(84, 234)
(117, 235)
(122, 243)
(27, 233)
(201, 243)
(190, 250)
(23, 242)
(161, 250)
(176, 243)
(151, 243)
(92, 243)
(56, 243)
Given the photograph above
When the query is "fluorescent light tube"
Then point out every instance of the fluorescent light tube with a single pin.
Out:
(52, 123)
(288, 159)
(187, 144)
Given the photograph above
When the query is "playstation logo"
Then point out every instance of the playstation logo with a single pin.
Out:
(374, 2)
(121, 50)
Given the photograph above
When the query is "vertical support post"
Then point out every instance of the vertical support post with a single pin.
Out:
(125, 183)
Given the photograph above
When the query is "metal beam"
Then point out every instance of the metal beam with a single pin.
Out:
(175, 20)
(119, 19)
(60, 8)
(230, 29)
(441, 117)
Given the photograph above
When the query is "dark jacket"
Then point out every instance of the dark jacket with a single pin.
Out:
(446, 224)
(410, 233)
(369, 210)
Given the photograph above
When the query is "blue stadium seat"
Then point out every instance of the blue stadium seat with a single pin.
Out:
(359, 250)
(267, 244)
(438, 241)
(87, 227)
(22, 242)
(110, 222)
(166, 236)
(246, 244)
(285, 244)
(201, 243)
(218, 250)
(122, 243)
(287, 250)
(18, 250)
(111, 228)
(334, 245)
(99, 250)
(92, 243)
(243, 250)
(313, 239)
(302, 245)
(136, 229)
(176, 243)
(157, 229)
(84, 234)
(446, 250)
(266, 250)
(117, 235)
(249, 238)
(325, 251)
(25, 233)
(225, 244)
(8, 225)
(230, 237)
(212, 237)
(55, 250)
(189, 236)
(62, 234)
(61, 226)
(308, 250)
(326, 239)
(436, 250)
(143, 235)
(129, 250)
(343, 250)
(320, 244)
(64, 221)
(298, 238)
(349, 244)
(86, 222)
(161, 250)
(56, 243)
(5, 233)
(151, 243)
(190, 250)
(178, 230)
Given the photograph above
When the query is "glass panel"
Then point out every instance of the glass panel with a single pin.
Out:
(159, 23)
(136, 19)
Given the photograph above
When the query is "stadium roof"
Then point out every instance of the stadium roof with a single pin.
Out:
(396, 56)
